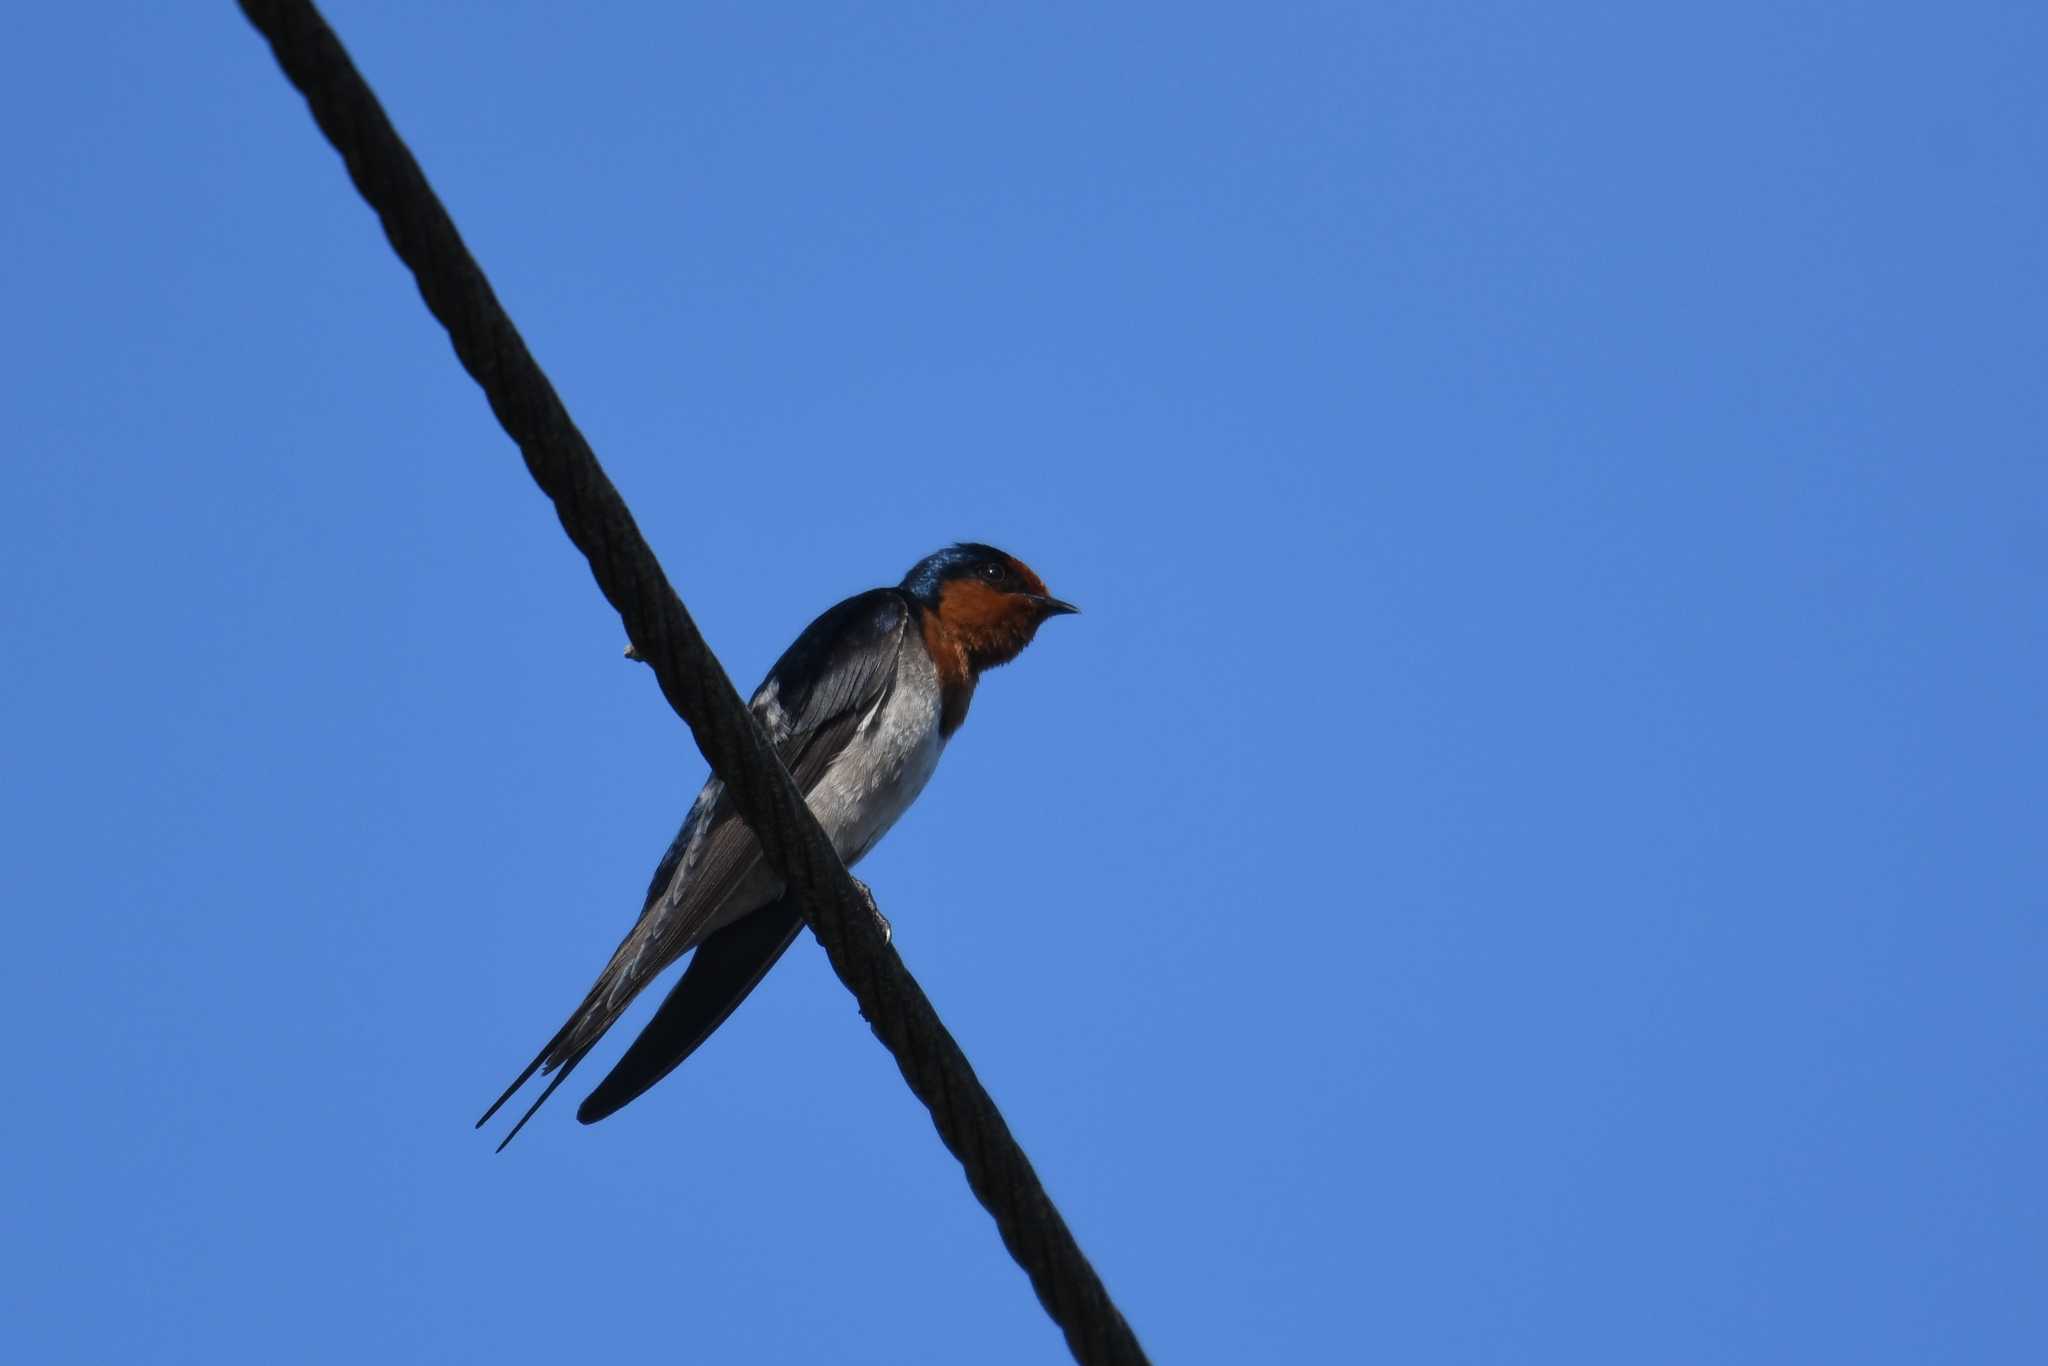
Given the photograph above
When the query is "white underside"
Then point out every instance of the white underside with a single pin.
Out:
(890, 758)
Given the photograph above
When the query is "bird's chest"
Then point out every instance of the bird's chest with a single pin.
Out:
(881, 772)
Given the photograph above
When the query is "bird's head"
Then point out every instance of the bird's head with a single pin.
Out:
(990, 603)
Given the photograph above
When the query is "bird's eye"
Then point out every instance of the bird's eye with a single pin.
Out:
(995, 573)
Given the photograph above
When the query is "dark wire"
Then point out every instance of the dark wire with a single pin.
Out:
(597, 520)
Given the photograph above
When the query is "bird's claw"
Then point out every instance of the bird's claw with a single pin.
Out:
(867, 895)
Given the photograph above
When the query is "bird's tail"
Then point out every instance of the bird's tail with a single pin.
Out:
(608, 998)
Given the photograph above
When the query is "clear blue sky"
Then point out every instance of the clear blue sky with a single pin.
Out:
(1534, 852)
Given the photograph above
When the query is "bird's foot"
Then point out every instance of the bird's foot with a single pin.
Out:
(867, 895)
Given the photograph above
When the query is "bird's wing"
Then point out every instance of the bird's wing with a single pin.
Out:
(726, 966)
(830, 682)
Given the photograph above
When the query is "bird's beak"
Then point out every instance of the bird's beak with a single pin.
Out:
(1053, 607)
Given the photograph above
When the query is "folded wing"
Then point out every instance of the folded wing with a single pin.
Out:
(827, 685)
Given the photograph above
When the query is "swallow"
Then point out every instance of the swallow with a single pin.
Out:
(859, 710)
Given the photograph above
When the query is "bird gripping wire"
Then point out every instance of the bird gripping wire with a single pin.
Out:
(598, 522)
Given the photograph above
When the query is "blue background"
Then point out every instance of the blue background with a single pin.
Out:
(1533, 853)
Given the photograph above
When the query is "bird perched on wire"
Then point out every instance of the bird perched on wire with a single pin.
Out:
(859, 710)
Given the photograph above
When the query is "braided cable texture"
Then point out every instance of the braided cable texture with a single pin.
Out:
(598, 522)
